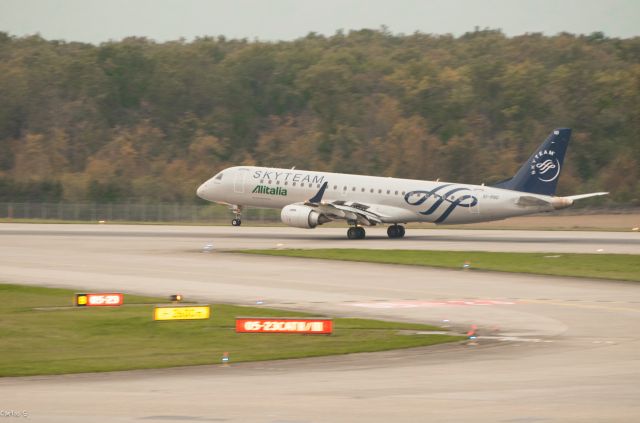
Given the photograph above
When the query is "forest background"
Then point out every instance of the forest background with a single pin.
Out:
(140, 121)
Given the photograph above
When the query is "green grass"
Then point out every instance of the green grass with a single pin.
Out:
(41, 333)
(604, 266)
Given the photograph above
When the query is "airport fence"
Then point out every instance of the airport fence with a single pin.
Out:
(130, 212)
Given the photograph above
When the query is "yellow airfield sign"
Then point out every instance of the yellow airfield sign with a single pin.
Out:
(182, 312)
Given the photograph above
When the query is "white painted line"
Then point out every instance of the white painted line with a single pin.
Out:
(417, 304)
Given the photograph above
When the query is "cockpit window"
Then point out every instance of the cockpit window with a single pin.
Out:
(218, 177)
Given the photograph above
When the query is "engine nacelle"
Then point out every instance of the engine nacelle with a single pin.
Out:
(300, 216)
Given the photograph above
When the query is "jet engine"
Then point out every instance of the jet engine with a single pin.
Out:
(300, 216)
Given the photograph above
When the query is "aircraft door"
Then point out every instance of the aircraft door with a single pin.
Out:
(239, 180)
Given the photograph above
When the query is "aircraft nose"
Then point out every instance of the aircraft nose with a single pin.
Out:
(202, 191)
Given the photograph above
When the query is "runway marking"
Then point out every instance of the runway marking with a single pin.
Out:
(565, 304)
(514, 339)
(417, 304)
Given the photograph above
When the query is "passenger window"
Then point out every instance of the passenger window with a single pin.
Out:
(379, 191)
(362, 189)
(294, 184)
(371, 190)
(388, 192)
(335, 187)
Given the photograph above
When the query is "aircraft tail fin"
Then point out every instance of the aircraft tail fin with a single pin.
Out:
(540, 173)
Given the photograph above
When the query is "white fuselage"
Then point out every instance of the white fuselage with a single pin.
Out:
(396, 200)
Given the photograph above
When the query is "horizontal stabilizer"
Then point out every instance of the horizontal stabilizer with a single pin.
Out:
(581, 196)
(555, 202)
(564, 202)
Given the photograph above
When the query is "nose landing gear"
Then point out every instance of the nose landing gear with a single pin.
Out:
(395, 231)
(237, 211)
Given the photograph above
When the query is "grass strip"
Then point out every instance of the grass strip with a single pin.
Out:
(604, 266)
(41, 336)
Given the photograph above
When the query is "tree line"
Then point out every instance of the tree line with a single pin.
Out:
(137, 120)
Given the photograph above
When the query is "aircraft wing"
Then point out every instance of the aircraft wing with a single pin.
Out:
(351, 211)
(348, 210)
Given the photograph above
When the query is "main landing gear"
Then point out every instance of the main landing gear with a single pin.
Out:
(395, 231)
(356, 232)
(237, 211)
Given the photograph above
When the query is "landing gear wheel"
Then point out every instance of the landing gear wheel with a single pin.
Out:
(237, 212)
(356, 232)
(395, 231)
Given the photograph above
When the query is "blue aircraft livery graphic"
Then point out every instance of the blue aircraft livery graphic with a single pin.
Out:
(539, 174)
(448, 199)
(545, 165)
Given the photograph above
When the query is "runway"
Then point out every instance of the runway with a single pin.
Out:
(430, 238)
(551, 349)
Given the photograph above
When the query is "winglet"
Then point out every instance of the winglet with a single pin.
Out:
(316, 199)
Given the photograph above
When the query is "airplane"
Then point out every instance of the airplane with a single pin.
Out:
(309, 199)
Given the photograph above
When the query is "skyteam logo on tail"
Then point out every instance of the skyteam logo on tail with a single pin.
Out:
(545, 165)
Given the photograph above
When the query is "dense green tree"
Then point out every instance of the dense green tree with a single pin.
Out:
(136, 120)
